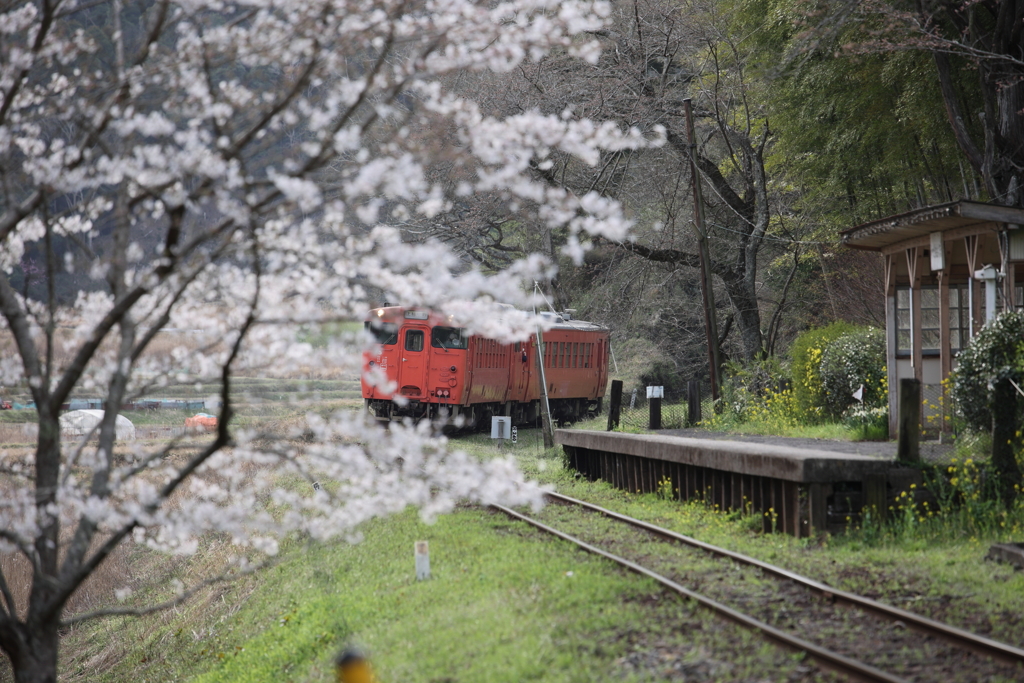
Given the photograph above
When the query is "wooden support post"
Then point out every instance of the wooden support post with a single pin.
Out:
(817, 507)
(908, 446)
(973, 287)
(655, 405)
(693, 416)
(913, 256)
(614, 404)
(891, 337)
(875, 495)
(945, 352)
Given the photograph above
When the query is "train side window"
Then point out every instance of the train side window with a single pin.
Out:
(414, 340)
(576, 354)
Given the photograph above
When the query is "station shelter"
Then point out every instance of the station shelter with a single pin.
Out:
(948, 269)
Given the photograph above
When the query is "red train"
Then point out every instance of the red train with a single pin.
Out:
(443, 373)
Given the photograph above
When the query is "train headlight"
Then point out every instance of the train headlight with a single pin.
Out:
(453, 368)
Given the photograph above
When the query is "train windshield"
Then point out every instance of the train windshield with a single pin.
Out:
(448, 338)
(383, 333)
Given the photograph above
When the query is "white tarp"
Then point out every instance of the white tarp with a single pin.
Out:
(81, 422)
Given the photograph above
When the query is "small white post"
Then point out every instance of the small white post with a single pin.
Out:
(422, 561)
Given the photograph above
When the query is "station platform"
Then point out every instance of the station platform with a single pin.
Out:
(798, 490)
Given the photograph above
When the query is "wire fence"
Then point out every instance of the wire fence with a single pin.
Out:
(636, 410)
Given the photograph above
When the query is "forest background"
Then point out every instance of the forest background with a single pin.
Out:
(810, 118)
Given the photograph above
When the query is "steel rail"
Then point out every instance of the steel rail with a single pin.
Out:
(833, 660)
(965, 639)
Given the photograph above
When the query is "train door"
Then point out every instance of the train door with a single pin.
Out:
(519, 374)
(412, 371)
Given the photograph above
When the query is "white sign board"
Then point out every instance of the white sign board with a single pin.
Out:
(655, 392)
(501, 427)
(937, 252)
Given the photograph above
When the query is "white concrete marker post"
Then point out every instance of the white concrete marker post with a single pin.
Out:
(500, 428)
(422, 561)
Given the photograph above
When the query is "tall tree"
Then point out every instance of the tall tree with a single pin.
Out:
(890, 105)
(177, 145)
(658, 53)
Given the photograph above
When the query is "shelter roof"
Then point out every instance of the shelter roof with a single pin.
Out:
(876, 235)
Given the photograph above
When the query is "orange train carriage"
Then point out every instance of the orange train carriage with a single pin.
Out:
(444, 373)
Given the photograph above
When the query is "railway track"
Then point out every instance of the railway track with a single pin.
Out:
(795, 611)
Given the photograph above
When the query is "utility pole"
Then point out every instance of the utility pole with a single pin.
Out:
(706, 285)
(546, 427)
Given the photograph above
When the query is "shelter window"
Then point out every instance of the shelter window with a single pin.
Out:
(414, 340)
(384, 334)
(448, 338)
(930, 319)
(959, 317)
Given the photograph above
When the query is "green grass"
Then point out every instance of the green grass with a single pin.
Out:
(502, 605)
(835, 431)
(838, 432)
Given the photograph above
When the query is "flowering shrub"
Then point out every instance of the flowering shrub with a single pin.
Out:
(987, 386)
(853, 360)
(806, 352)
(770, 412)
(996, 352)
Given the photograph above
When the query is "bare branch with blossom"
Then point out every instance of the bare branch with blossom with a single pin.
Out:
(239, 169)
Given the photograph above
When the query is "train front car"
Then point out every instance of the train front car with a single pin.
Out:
(421, 356)
(435, 371)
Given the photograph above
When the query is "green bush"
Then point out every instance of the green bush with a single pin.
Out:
(987, 387)
(854, 359)
(996, 352)
(806, 353)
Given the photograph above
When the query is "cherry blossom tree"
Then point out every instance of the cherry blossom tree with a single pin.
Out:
(237, 168)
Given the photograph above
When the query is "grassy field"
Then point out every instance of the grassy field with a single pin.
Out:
(507, 604)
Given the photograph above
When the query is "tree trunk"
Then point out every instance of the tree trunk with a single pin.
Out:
(748, 316)
(36, 659)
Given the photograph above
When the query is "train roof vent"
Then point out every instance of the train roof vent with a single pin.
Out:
(568, 314)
